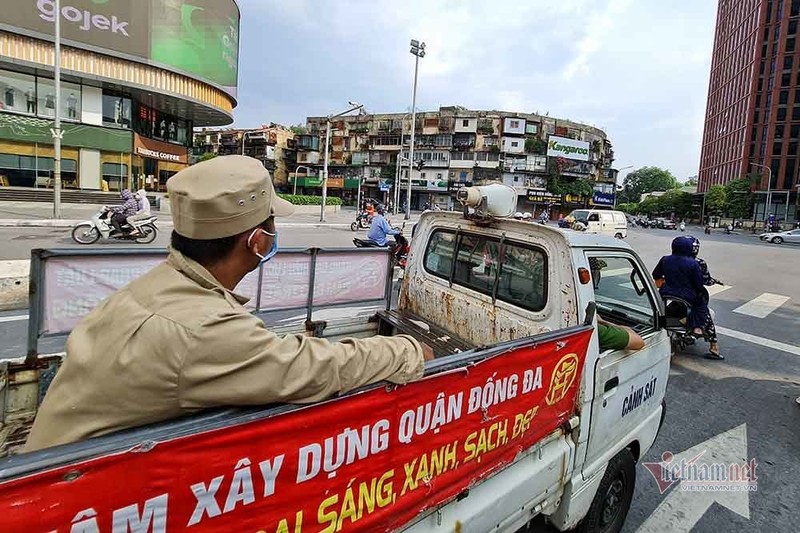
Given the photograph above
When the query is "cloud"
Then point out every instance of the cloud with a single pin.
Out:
(639, 70)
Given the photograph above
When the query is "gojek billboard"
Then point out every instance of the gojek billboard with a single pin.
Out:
(199, 38)
(567, 148)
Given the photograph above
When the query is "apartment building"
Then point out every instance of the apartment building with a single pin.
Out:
(274, 145)
(456, 147)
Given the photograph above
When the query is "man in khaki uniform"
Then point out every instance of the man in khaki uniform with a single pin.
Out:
(178, 340)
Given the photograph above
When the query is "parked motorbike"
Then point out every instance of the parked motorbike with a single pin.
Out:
(362, 221)
(400, 256)
(89, 232)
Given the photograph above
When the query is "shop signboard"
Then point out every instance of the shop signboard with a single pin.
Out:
(567, 148)
(142, 146)
(602, 198)
(543, 197)
(36, 130)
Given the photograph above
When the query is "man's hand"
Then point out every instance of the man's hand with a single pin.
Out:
(427, 352)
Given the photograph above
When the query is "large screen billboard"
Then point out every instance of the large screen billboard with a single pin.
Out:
(199, 38)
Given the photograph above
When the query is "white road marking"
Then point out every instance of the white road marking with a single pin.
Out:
(762, 306)
(716, 289)
(769, 343)
(13, 318)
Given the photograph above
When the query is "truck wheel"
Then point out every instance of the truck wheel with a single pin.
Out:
(613, 499)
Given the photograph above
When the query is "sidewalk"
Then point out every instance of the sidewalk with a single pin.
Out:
(40, 215)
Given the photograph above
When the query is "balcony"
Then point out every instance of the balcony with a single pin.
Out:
(307, 143)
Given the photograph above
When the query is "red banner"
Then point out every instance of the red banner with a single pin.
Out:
(367, 462)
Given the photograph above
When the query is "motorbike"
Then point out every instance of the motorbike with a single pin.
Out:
(400, 256)
(677, 322)
(362, 221)
(90, 231)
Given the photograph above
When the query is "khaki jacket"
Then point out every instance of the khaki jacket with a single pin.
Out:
(175, 341)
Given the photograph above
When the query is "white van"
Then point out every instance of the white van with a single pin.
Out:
(603, 221)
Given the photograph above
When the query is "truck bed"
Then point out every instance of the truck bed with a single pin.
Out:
(442, 342)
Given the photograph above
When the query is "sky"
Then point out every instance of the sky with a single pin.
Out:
(638, 69)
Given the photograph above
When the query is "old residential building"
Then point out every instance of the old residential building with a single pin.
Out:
(457, 147)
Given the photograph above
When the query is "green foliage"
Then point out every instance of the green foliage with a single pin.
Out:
(646, 179)
(388, 171)
(494, 149)
(691, 182)
(298, 129)
(535, 145)
(739, 198)
(299, 199)
(716, 199)
(674, 202)
(206, 156)
(576, 187)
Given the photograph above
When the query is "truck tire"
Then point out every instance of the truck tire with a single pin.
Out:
(613, 499)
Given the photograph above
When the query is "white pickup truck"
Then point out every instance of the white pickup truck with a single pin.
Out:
(519, 415)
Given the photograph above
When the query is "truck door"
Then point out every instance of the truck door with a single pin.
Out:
(629, 386)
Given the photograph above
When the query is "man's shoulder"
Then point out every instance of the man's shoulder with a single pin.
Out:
(170, 295)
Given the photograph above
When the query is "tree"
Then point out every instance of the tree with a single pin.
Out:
(739, 198)
(715, 199)
(691, 182)
(298, 129)
(646, 179)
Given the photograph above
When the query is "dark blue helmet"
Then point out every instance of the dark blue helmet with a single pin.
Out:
(683, 245)
(695, 245)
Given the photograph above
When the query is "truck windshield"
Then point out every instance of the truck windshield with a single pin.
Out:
(580, 214)
(509, 271)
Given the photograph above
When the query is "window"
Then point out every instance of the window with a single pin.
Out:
(796, 113)
(465, 123)
(115, 174)
(779, 132)
(792, 27)
(783, 98)
(514, 144)
(782, 114)
(46, 99)
(786, 80)
(776, 148)
(17, 92)
(621, 293)
(511, 272)
(790, 43)
(116, 111)
(514, 124)
(787, 62)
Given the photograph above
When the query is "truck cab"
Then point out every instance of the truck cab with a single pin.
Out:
(521, 413)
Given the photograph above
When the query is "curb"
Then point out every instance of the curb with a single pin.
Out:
(49, 223)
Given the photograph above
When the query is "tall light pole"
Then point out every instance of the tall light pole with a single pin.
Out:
(308, 171)
(56, 131)
(418, 51)
(398, 171)
(615, 182)
(354, 107)
(769, 190)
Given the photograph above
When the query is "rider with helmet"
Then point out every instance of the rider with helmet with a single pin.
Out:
(685, 276)
(380, 229)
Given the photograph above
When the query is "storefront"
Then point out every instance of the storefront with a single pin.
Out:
(538, 201)
(88, 155)
(154, 162)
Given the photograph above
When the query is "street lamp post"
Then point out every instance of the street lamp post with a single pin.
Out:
(615, 183)
(327, 155)
(56, 131)
(308, 171)
(397, 173)
(418, 51)
(769, 191)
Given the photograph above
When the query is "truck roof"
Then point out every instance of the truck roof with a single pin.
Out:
(573, 239)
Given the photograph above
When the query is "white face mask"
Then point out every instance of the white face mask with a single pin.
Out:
(272, 251)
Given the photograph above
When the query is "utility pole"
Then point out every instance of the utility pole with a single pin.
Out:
(418, 50)
(56, 131)
(354, 107)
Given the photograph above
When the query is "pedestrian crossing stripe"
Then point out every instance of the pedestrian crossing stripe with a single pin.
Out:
(762, 306)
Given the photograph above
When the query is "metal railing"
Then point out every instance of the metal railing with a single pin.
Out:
(67, 284)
